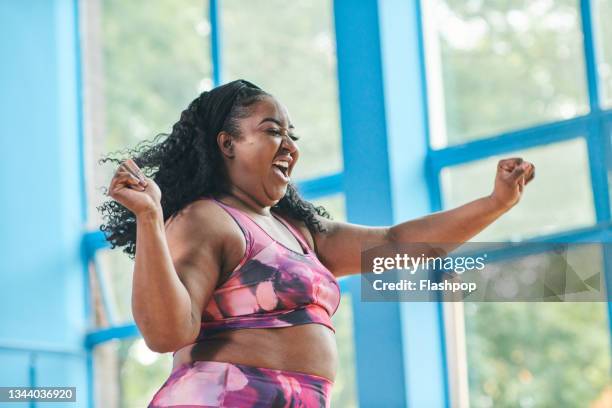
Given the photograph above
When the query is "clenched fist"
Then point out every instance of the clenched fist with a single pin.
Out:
(132, 189)
(512, 176)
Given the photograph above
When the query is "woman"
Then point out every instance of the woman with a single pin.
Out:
(232, 266)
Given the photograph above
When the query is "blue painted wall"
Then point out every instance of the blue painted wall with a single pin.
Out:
(41, 197)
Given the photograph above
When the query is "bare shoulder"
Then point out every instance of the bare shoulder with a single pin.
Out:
(203, 226)
(200, 219)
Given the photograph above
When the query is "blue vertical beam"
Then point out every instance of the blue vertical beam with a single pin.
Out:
(215, 42)
(379, 363)
(590, 54)
(596, 145)
(406, 119)
(362, 112)
(384, 144)
(41, 287)
(595, 138)
(432, 173)
(598, 140)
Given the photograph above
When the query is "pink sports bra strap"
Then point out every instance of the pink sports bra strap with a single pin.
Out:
(296, 233)
(241, 219)
(255, 230)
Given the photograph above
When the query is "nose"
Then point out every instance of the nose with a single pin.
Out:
(289, 144)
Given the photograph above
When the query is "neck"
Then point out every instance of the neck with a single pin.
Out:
(248, 201)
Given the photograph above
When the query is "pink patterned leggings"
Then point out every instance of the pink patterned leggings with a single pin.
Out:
(221, 384)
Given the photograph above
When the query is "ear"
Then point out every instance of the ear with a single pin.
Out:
(226, 144)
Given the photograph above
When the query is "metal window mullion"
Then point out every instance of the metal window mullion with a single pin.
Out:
(596, 145)
(320, 187)
(434, 182)
(96, 337)
(511, 141)
(590, 54)
(596, 133)
(431, 173)
(215, 42)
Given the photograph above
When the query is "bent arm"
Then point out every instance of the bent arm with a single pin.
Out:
(169, 288)
(340, 247)
(161, 304)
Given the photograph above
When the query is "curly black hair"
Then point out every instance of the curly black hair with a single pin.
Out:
(187, 163)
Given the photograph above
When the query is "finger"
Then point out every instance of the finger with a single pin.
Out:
(522, 181)
(518, 172)
(129, 179)
(125, 192)
(123, 181)
(511, 163)
(122, 173)
(141, 178)
(127, 183)
(530, 176)
(120, 189)
(529, 170)
(125, 167)
(133, 167)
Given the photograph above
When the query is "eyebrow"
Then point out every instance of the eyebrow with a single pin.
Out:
(276, 121)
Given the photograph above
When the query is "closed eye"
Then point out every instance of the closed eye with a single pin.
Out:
(276, 132)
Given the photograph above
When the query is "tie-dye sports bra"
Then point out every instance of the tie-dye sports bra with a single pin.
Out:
(272, 286)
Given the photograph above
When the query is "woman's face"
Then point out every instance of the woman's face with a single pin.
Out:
(261, 160)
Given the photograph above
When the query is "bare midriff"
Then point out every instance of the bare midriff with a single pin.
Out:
(307, 348)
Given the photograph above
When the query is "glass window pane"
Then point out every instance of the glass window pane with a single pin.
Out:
(334, 205)
(495, 66)
(539, 354)
(559, 198)
(288, 48)
(344, 393)
(603, 15)
(117, 270)
(141, 70)
(128, 374)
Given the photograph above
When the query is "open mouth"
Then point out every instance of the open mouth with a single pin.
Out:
(282, 167)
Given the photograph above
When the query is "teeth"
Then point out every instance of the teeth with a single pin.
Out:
(282, 164)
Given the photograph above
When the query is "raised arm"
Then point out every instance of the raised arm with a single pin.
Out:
(339, 248)
(176, 266)
(175, 273)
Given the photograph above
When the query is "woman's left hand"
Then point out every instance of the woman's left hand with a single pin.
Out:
(512, 176)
